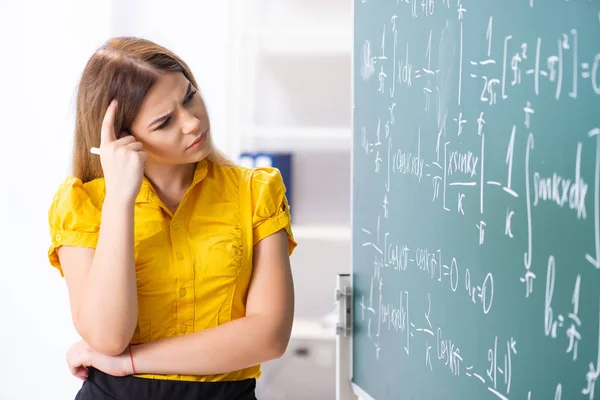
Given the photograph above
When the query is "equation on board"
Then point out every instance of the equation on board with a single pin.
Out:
(453, 177)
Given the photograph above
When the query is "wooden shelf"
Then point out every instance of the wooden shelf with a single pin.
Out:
(312, 329)
(322, 232)
(294, 139)
(301, 42)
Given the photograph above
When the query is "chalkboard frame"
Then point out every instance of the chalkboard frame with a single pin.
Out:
(535, 146)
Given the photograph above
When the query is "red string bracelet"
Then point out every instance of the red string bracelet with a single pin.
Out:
(131, 357)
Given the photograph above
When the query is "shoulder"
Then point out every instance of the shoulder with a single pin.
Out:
(267, 193)
(266, 176)
(73, 194)
(270, 206)
(74, 216)
(263, 187)
(258, 178)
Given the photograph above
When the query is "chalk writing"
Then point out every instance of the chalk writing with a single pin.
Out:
(476, 199)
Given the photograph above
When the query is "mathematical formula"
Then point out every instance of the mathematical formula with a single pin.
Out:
(442, 151)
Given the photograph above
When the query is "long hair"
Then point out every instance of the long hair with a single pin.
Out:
(124, 68)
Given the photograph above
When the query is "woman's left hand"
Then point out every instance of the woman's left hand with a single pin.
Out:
(81, 355)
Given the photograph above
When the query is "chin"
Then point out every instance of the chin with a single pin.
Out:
(202, 155)
(205, 150)
(182, 159)
(198, 155)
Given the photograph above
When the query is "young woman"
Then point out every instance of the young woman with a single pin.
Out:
(176, 260)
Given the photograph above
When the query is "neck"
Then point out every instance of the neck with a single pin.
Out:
(170, 181)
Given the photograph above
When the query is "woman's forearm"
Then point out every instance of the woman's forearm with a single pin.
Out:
(236, 345)
(108, 310)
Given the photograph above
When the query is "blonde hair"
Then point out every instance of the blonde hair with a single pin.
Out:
(124, 68)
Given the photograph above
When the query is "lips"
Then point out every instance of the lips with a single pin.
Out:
(200, 138)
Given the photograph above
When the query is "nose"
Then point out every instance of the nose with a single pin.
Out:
(190, 123)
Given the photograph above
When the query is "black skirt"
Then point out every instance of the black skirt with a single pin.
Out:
(101, 386)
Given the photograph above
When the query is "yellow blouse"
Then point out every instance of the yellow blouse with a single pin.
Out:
(193, 267)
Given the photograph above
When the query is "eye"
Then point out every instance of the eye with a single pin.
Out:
(164, 124)
(190, 97)
(187, 99)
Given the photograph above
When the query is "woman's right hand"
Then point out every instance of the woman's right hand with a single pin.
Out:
(122, 160)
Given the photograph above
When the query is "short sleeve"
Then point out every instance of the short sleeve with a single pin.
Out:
(74, 219)
(271, 211)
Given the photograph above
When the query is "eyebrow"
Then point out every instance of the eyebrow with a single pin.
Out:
(164, 117)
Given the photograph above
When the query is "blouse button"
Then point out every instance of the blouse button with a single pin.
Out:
(182, 292)
(58, 237)
(179, 255)
(175, 225)
(183, 328)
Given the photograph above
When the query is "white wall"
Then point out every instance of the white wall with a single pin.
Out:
(44, 46)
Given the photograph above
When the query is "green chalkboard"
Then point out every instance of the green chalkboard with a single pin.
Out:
(476, 168)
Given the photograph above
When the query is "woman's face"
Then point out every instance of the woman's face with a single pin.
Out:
(172, 123)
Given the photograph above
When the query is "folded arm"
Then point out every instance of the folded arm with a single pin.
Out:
(262, 335)
(103, 280)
